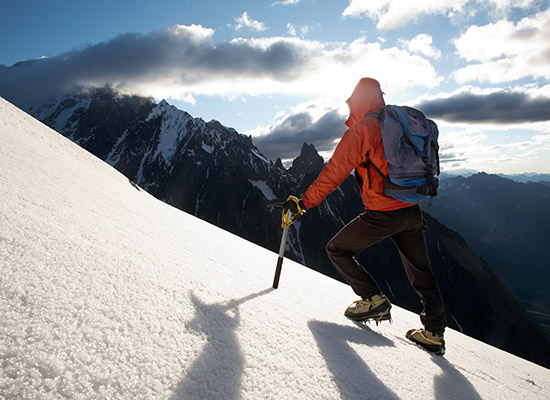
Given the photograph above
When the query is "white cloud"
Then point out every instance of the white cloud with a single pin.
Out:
(304, 30)
(393, 14)
(193, 33)
(334, 69)
(421, 44)
(245, 22)
(489, 150)
(506, 51)
(285, 2)
(328, 70)
(291, 30)
(503, 7)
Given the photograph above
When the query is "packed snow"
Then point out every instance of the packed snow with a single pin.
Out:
(108, 293)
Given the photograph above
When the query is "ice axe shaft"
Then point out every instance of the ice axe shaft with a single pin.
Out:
(287, 219)
(280, 259)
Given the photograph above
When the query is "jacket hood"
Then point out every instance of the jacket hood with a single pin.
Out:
(365, 99)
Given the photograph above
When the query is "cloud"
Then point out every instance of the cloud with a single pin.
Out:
(245, 22)
(291, 30)
(421, 44)
(285, 2)
(498, 107)
(468, 145)
(506, 51)
(304, 30)
(338, 67)
(393, 14)
(180, 62)
(285, 138)
(322, 126)
(177, 61)
(476, 149)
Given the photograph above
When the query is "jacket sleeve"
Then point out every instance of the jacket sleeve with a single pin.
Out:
(347, 156)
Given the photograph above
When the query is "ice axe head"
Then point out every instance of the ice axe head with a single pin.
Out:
(289, 217)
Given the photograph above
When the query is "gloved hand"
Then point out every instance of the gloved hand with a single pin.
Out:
(294, 205)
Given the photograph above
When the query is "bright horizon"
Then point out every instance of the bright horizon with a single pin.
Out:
(282, 70)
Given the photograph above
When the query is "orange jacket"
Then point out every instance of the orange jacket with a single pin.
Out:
(362, 136)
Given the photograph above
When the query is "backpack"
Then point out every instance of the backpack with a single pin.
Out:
(411, 150)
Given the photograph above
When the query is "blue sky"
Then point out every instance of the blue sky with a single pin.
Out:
(282, 70)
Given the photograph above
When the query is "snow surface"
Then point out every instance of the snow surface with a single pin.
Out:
(107, 293)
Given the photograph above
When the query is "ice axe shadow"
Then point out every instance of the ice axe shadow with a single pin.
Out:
(217, 371)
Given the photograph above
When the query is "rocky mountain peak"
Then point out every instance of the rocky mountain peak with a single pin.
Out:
(307, 163)
(279, 164)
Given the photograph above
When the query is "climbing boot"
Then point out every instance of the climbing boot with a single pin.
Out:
(376, 308)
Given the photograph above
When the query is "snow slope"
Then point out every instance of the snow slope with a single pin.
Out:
(107, 293)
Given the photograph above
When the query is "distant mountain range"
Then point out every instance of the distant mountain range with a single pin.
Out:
(528, 178)
(508, 224)
(523, 178)
(217, 174)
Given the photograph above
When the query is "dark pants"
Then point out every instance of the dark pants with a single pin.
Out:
(405, 228)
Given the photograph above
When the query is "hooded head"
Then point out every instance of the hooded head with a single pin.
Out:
(365, 99)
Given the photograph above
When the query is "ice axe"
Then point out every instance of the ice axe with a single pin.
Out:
(287, 219)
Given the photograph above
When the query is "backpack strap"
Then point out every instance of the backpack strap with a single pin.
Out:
(367, 161)
(435, 145)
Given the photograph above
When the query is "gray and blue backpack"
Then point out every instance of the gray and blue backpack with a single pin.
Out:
(411, 150)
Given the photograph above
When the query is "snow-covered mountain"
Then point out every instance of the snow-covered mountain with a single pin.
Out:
(108, 293)
(217, 174)
(204, 168)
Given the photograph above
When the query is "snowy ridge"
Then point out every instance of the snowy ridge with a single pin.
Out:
(171, 130)
(63, 122)
(109, 293)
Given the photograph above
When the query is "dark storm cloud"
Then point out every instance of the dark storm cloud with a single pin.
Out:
(177, 56)
(499, 107)
(286, 139)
